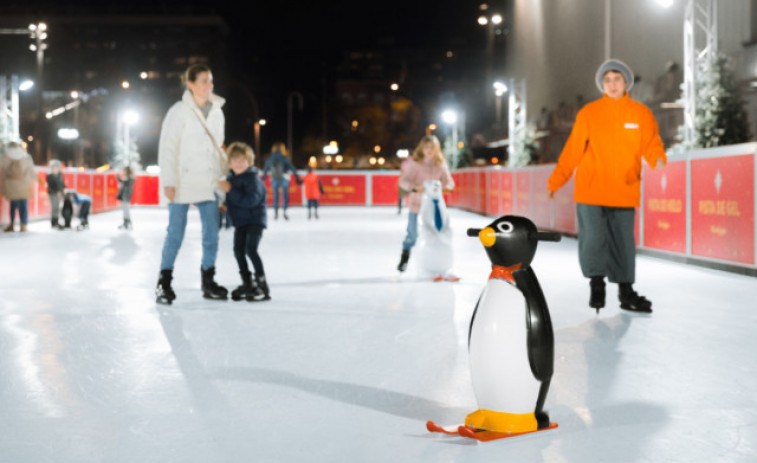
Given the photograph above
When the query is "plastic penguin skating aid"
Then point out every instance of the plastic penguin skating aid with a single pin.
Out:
(510, 341)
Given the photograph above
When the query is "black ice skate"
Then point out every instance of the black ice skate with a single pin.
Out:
(597, 298)
(247, 290)
(261, 293)
(163, 292)
(211, 289)
(631, 300)
(403, 260)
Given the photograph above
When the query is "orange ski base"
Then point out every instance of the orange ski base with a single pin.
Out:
(480, 434)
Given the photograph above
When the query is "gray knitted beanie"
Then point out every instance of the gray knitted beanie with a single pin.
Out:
(614, 65)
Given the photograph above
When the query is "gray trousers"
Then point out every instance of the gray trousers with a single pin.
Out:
(54, 206)
(606, 242)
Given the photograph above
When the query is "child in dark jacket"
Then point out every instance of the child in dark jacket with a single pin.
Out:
(245, 199)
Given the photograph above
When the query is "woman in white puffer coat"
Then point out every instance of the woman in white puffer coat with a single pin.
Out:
(191, 164)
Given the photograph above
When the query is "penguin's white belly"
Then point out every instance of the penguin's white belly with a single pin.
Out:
(500, 371)
(435, 246)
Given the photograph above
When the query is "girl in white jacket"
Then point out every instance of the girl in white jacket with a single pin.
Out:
(191, 163)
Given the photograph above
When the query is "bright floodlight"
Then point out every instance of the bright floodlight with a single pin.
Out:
(497, 19)
(665, 3)
(449, 116)
(26, 85)
(499, 88)
(68, 134)
(483, 20)
(403, 153)
(130, 117)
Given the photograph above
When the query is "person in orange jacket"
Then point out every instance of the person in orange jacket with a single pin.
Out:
(609, 138)
(313, 191)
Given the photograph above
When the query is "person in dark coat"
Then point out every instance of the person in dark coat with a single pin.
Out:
(125, 191)
(280, 167)
(246, 203)
(55, 188)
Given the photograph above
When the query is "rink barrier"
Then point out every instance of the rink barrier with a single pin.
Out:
(700, 207)
(101, 186)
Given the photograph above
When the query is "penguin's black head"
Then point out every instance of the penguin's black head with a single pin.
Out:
(511, 240)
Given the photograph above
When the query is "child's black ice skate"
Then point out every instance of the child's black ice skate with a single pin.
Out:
(246, 290)
(164, 294)
(261, 291)
(211, 289)
(82, 226)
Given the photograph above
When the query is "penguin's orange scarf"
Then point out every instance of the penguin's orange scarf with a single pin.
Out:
(504, 273)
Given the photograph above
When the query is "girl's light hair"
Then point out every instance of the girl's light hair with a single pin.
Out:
(438, 155)
(239, 148)
(280, 147)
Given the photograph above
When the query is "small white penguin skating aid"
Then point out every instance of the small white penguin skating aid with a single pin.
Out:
(435, 237)
(510, 341)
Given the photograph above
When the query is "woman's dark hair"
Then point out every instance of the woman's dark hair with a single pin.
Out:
(190, 75)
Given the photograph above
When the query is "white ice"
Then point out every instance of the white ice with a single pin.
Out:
(350, 358)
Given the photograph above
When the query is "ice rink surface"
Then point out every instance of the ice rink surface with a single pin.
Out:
(350, 358)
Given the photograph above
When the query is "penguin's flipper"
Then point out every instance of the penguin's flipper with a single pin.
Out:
(541, 339)
(473, 317)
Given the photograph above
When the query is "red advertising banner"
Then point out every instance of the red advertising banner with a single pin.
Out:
(465, 192)
(146, 190)
(98, 192)
(343, 189)
(454, 197)
(506, 193)
(541, 205)
(385, 190)
(722, 208)
(295, 195)
(69, 179)
(665, 207)
(111, 191)
(479, 204)
(43, 199)
(522, 193)
(493, 193)
(84, 183)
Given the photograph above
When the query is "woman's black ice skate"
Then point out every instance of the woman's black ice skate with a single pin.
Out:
(164, 294)
(403, 260)
(632, 301)
(211, 289)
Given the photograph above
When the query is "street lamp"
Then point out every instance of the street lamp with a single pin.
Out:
(38, 34)
(449, 116)
(128, 118)
(256, 133)
(500, 88)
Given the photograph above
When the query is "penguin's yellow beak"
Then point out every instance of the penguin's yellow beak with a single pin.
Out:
(487, 237)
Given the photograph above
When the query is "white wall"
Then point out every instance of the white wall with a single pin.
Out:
(557, 45)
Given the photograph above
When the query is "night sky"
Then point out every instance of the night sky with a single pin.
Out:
(280, 46)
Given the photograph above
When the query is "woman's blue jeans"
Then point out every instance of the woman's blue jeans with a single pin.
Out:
(177, 225)
(412, 231)
(282, 183)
